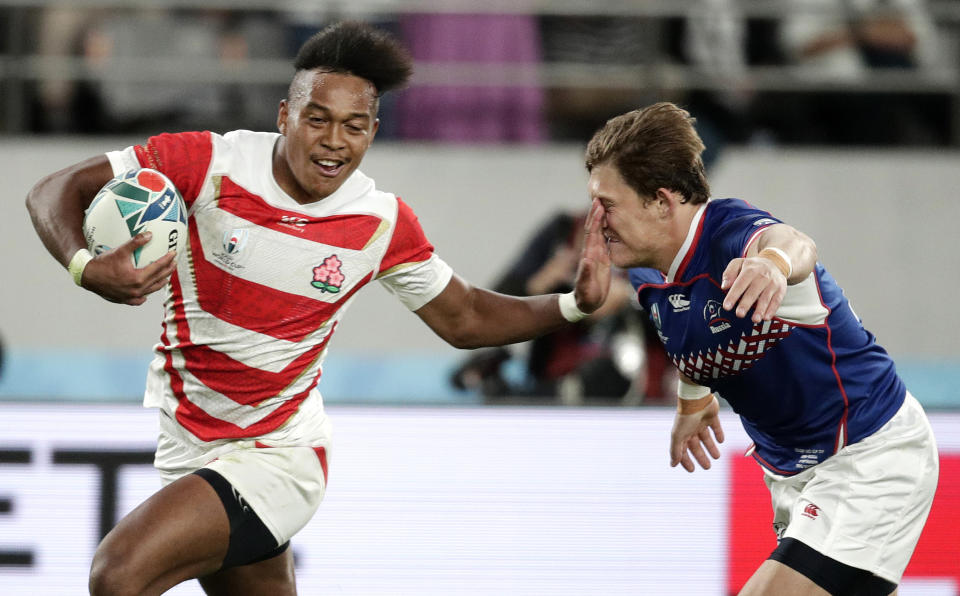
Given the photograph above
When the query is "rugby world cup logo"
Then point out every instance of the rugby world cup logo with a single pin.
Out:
(655, 316)
(234, 241)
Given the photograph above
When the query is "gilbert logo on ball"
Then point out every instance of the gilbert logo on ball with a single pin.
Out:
(137, 201)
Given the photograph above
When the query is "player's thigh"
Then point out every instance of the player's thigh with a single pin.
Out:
(271, 577)
(773, 578)
(180, 532)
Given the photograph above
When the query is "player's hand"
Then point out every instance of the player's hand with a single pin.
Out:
(691, 437)
(113, 276)
(753, 283)
(593, 274)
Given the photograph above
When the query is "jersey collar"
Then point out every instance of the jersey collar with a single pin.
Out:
(689, 245)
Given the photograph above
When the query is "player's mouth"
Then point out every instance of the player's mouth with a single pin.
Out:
(610, 238)
(329, 167)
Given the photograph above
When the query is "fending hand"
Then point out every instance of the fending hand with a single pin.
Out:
(593, 273)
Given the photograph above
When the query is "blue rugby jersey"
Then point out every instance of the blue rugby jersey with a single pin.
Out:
(807, 382)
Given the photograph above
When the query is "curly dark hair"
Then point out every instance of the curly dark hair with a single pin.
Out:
(358, 49)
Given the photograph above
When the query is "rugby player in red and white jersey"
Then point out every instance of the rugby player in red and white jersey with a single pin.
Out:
(283, 231)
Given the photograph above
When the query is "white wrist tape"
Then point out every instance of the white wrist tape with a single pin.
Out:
(688, 391)
(78, 263)
(783, 255)
(569, 308)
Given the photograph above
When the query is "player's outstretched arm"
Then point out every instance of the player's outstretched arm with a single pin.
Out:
(695, 425)
(56, 204)
(470, 317)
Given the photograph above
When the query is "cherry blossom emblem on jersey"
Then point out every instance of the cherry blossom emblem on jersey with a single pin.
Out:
(328, 277)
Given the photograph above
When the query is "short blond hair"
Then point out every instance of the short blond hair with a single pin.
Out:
(654, 147)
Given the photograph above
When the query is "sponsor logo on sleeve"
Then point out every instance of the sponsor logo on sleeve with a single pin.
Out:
(679, 302)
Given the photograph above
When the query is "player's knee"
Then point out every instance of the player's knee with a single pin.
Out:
(112, 574)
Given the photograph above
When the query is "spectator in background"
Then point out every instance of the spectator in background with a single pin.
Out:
(434, 110)
(593, 43)
(139, 46)
(835, 41)
(609, 356)
(720, 44)
(65, 105)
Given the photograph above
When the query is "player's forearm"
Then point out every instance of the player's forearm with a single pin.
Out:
(56, 204)
(57, 215)
(497, 319)
(799, 249)
(469, 317)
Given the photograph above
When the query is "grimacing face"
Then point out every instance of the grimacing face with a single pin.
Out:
(636, 230)
(327, 123)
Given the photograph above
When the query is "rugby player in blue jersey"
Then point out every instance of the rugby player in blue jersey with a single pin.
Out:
(746, 312)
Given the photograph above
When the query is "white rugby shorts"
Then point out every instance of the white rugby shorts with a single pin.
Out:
(866, 505)
(283, 484)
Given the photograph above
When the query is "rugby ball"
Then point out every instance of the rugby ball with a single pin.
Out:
(137, 201)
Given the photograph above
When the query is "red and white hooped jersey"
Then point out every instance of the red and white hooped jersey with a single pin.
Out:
(265, 282)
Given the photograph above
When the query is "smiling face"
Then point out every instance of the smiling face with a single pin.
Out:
(638, 232)
(327, 123)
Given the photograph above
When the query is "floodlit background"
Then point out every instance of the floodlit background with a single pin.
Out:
(840, 117)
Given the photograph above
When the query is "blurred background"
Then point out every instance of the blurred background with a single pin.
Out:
(841, 117)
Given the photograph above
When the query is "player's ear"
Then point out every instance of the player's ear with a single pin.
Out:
(282, 117)
(664, 201)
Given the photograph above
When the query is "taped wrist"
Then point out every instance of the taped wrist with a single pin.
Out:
(692, 398)
(569, 308)
(780, 258)
(78, 263)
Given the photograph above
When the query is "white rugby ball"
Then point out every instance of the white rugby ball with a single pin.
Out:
(137, 201)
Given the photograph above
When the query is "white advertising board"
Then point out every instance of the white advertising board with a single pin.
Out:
(421, 501)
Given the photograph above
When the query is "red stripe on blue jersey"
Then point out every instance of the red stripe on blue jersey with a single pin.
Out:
(693, 248)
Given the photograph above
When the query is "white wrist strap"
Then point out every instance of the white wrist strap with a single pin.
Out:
(783, 255)
(78, 263)
(691, 392)
(569, 309)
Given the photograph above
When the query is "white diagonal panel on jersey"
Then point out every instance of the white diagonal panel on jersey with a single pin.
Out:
(278, 260)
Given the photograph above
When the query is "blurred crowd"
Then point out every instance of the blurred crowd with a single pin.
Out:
(487, 78)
